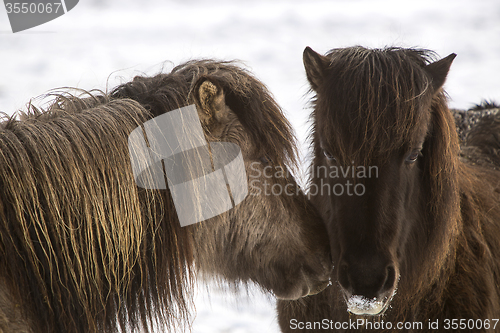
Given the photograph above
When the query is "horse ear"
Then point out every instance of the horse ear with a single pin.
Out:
(211, 100)
(315, 65)
(439, 70)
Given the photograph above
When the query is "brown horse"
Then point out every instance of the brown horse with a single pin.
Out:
(479, 131)
(416, 241)
(84, 249)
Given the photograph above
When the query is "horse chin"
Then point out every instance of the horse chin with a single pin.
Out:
(362, 306)
(308, 287)
(319, 287)
(294, 294)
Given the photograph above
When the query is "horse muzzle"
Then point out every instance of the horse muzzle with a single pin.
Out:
(368, 289)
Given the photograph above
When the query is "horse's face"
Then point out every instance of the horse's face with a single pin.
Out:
(375, 205)
(370, 222)
(274, 237)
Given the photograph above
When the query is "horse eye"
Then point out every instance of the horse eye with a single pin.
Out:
(415, 153)
(329, 156)
(264, 160)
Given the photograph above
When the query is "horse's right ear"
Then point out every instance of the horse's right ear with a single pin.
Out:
(210, 100)
(439, 70)
(315, 65)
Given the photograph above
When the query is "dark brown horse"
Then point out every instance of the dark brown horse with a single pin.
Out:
(416, 241)
(84, 249)
(479, 132)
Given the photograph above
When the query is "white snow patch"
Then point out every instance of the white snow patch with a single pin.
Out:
(360, 305)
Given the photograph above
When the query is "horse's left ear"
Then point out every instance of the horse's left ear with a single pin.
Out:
(210, 100)
(439, 70)
(315, 65)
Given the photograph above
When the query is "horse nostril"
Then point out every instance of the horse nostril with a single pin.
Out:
(367, 279)
(390, 278)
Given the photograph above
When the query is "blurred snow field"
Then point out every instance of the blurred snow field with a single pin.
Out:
(102, 43)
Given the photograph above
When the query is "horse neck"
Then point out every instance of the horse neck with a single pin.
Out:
(470, 268)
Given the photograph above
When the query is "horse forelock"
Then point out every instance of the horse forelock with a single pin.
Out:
(376, 98)
(247, 97)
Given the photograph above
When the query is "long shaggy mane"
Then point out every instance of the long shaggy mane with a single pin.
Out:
(76, 233)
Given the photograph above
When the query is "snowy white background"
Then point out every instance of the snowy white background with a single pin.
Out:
(101, 43)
